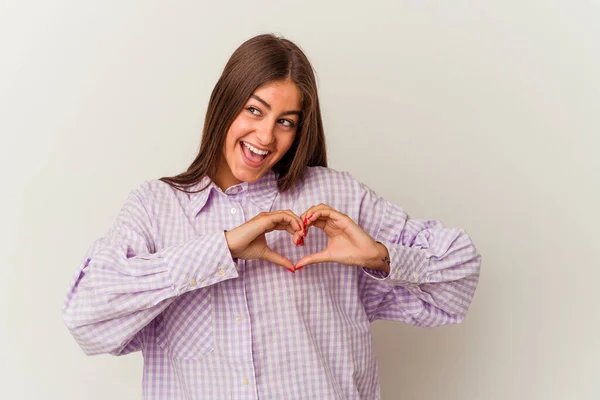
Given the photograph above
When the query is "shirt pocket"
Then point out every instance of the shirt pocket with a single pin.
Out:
(185, 329)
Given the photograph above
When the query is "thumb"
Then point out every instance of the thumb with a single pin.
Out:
(322, 256)
(277, 258)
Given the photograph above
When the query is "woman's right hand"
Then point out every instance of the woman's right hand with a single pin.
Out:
(248, 241)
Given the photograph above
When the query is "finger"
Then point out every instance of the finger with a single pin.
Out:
(297, 238)
(311, 210)
(276, 258)
(291, 228)
(310, 215)
(321, 211)
(326, 212)
(317, 219)
(321, 217)
(322, 256)
(320, 223)
(281, 220)
(287, 227)
(306, 224)
(297, 219)
(300, 233)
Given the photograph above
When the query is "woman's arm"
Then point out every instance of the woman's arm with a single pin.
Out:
(433, 270)
(123, 284)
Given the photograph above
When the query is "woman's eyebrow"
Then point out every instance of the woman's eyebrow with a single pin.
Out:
(268, 106)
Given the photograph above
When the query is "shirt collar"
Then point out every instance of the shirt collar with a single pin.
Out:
(262, 192)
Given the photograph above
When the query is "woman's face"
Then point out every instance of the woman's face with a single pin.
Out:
(261, 133)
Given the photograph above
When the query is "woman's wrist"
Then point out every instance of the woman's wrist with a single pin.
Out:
(381, 259)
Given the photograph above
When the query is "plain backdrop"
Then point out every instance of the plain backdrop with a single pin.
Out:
(483, 115)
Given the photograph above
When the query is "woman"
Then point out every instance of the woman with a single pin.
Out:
(190, 273)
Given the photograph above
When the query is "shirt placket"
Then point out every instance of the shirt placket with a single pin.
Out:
(241, 335)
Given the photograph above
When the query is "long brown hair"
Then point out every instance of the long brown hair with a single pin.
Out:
(259, 60)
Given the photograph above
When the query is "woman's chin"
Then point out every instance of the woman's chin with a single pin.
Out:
(249, 177)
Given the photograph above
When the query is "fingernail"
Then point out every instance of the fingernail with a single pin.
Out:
(298, 267)
(297, 241)
(304, 234)
(310, 216)
(302, 241)
(291, 270)
(305, 220)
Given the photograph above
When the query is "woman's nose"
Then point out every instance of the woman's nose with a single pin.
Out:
(265, 134)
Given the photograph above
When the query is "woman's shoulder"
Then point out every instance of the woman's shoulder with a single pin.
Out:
(329, 176)
(155, 191)
(329, 179)
(321, 174)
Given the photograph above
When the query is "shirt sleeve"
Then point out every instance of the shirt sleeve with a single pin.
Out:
(123, 284)
(434, 270)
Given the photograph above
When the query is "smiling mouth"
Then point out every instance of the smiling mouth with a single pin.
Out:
(254, 155)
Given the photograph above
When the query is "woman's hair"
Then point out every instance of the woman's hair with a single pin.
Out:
(259, 60)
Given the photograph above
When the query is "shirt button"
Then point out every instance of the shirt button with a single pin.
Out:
(221, 272)
(233, 210)
(193, 282)
(238, 319)
(415, 275)
(234, 190)
(246, 381)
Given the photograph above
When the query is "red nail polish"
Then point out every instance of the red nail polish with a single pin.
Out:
(291, 270)
(302, 241)
(305, 221)
(298, 267)
(310, 216)
(297, 241)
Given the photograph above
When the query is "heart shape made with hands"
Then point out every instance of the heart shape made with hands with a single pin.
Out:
(347, 243)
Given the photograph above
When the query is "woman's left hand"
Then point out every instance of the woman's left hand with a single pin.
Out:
(347, 243)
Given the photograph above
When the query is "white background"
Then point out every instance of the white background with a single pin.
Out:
(483, 115)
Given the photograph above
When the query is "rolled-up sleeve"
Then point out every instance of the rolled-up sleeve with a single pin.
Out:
(123, 283)
(434, 270)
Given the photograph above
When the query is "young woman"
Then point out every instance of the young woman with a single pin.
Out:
(191, 271)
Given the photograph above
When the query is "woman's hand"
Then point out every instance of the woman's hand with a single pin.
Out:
(247, 241)
(347, 243)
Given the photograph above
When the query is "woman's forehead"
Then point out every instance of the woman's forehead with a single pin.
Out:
(280, 95)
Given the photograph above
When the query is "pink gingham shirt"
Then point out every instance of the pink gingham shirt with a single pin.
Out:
(162, 281)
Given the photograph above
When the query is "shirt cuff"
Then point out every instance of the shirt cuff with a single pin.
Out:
(201, 262)
(408, 265)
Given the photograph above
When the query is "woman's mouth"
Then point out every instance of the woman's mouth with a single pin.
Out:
(253, 156)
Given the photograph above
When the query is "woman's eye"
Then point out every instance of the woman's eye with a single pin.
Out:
(287, 123)
(254, 110)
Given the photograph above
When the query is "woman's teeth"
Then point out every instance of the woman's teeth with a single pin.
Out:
(255, 150)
